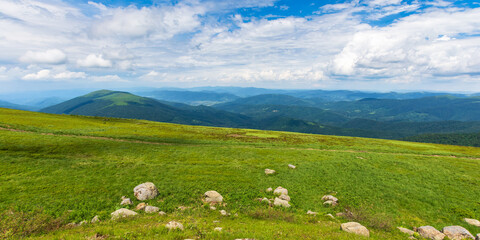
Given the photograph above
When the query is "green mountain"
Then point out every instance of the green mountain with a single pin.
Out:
(190, 97)
(461, 139)
(5, 104)
(107, 103)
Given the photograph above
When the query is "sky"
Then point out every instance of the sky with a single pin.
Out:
(374, 45)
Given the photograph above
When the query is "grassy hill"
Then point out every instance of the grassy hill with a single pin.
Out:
(57, 169)
(107, 103)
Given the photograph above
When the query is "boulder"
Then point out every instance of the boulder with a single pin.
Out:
(281, 203)
(172, 225)
(406, 231)
(140, 206)
(354, 227)
(471, 221)
(457, 233)
(151, 209)
(292, 166)
(269, 171)
(311, 213)
(145, 191)
(121, 213)
(212, 197)
(269, 189)
(95, 219)
(280, 191)
(430, 232)
(329, 198)
(126, 201)
(330, 203)
(285, 197)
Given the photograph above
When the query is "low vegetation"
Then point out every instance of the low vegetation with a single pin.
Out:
(57, 169)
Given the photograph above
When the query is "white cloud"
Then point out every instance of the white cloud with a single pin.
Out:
(70, 75)
(42, 74)
(160, 23)
(51, 56)
(93, 60)
(108, 78)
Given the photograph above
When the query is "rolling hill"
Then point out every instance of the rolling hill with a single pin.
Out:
(61, 169)
(107, 103)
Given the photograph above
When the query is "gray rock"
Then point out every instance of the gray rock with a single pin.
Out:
(140, 206)
(478, 237)
(126, 201)
(223, 212)
(311, 213)
(269, 171)
(213, 208)
(265, 200)
(162, 213)
(269, 189)
(356, 228)
(285, 197)
(151, 209)
(329, 198)
(457, 233)
(121, 213)
(280, 191)
(330, 203)
(172, 225)
(218, 229)
(95, 219)
(83, 222)
(430, 232)
(212, 197)
(292, 166)
(281, 203)
(145, 191)
(473, 222)
(330, 216)
(406, 231)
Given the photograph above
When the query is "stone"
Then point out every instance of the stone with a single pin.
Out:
(311, 213)
(151, 209)
(223, 212)
(329, 198)
(162, 213)
(292, 166)
(330, 216)
(406, 231)
(340, 214)
(280, 191)
(218, 229)
(83, 223)
(478, 237)
(356, 228)
(285, 197)
(126, 201)
(213, 208)
(457, 233)
(172, 225)
(122, 212)
(182, 208)
(216, 221)
(281, 203)
(471, 221)
(430, 232)
(212, 197)
(145, 191)
(269, 189)
(140, 206)
(265, 200)
(95, 219)
(330, 203)
(269, 171)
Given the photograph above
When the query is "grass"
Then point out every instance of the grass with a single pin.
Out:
(57, 169)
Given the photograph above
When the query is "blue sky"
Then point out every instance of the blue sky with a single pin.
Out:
(378, 45)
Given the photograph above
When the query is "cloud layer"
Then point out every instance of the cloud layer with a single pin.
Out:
(376, 45)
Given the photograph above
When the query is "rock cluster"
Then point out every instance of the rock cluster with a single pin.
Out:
(452, 232)
(329, 200)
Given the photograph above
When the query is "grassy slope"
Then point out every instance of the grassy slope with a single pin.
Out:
(56, 165)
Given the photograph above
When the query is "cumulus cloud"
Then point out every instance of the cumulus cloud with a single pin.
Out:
(50, 56)
(156, 22)
(40, 75)
(108, 78)
(93, 60)
(70, 75)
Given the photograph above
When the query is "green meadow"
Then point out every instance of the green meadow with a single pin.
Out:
(58, 169)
